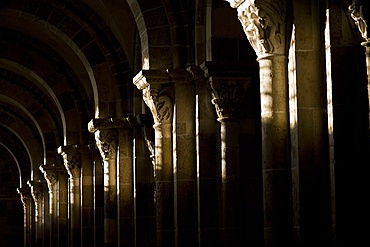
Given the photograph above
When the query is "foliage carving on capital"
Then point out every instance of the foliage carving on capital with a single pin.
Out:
(229, 97)
(156, 93)
(37, 191)
(358, 15)
(159, 104)
(50, 175)
(264, 25)
(71, 160)
(73, 166)
(106, 141)
(25, 197)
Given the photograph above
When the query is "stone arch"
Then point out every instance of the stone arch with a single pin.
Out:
(164, 29)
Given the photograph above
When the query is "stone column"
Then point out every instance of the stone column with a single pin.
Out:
(184, 158)
(312, 197)
(106, 137)
(265, 24)
(145, 223)
(207, 161)
(26, 199)
(87, 196)
(157, 96)
(125, 188)
(228, 93)
(72, 164)
(51, 176)
(98, 185)
(37, 192)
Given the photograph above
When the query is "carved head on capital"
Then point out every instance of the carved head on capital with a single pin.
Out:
(73, 166)
(264, 29)
(106, 143)
(159, 104)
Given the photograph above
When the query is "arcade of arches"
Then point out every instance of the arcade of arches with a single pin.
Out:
(184, 123)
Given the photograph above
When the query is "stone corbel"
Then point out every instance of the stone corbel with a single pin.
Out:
(264, 23)
(156, 94)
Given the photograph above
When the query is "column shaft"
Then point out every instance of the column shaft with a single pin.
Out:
(207, 166)
(125, 188)
(164, 196)
(230, 184)
(277, 188)
(145, 220)
(110, 202)
(37, 190)
(184, 160)
(75, 210)
(25, 194)
(312, 175)
(62, 210)
(98, 202)
(87, 198)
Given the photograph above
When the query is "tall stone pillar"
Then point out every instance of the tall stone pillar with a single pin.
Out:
(37, 192)
(26, 199)
(106, 140)
(145, 224)
(62, 211)
(72, 164)
(156, 95)
(184, 158)
(207, 161)
(98, 192)
(265, 24)
(51, 176)
(106, 136)
(311, 167)
(125, 184)
(229, 92)
(87, 195)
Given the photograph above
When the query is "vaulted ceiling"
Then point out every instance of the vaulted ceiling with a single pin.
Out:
(57, 61)
(64, 62)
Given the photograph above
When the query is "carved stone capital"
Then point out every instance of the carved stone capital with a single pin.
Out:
(37, 190)
(25, 194)
(50, 174)
(360, 14)
(105, 133)
(264, 23)
(156, 94)
(231, 91)
(71, 160)
(106, 141)
(229, 97)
